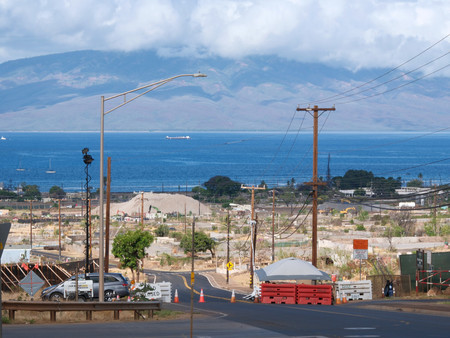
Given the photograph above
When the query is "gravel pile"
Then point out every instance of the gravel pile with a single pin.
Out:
(166, 203)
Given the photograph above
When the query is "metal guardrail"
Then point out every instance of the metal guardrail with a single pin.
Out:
(88, 307)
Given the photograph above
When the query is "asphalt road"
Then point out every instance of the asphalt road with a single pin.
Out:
(217, 317)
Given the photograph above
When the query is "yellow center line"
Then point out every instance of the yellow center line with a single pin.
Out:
(210, 296)
(295, 308)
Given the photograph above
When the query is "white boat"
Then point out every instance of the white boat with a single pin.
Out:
(178, 137)
(3, 138)
(50, 170)
(19, 168)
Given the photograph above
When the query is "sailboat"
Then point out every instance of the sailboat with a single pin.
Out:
(19, 168)
(50, 170)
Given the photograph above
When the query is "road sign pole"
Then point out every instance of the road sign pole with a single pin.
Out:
(4, 232)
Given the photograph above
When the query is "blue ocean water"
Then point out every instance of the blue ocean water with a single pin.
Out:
(150, 162)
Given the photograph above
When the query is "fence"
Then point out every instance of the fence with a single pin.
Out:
(432, 278)
(52, 274)
(402, 285)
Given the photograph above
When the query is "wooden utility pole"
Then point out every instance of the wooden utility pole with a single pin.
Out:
(142, 208)
(59, 224)
(273, 225)
(31, 224)
(253, 229)
(228, 245)
(315, 183)
(108, 214)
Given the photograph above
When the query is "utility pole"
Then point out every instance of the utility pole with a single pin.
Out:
(273, 225)
(192, 277)
(228, 245)
(31, 225)
(253, 229)
(185, 220)
(108, 213)
(315, 183)
(142, 209)
(90, 229)
(59, 224)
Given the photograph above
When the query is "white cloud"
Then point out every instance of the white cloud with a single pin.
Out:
(354, 34)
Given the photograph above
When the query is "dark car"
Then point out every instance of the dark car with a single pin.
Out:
(115, 284)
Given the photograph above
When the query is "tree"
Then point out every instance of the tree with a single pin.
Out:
(56, 192)
(415, 183)
(222, 185)
(383, 187)
(354, 179)
(31, 192)
(5, 194)
(289, 198)
(404, 220)
(202, 243)
(130, 247)
(162, 231)
(359, 192)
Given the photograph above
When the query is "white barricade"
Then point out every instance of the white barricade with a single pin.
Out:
(85, 287)
(166, 291)
(354, 290)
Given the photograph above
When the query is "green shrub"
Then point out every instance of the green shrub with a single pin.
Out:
(360, 227)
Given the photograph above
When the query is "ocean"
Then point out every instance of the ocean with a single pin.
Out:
(150, 162)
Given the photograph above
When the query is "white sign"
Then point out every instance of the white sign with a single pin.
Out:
(429, 257)
(149, 294)
(84, 286)
(360, 254)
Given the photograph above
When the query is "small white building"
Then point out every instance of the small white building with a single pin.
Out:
(16, 254)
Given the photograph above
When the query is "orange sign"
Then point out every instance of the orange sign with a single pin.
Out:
(360, 244)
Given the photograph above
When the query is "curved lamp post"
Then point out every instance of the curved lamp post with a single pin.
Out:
(145, 89)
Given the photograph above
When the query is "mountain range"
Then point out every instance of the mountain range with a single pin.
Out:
(61, 92)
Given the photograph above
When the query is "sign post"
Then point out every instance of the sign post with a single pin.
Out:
(360, 251)
(4, 232)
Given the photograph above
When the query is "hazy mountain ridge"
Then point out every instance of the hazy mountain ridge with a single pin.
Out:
(62, 92)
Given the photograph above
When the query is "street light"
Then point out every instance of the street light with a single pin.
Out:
(146, 88)
(87, 159)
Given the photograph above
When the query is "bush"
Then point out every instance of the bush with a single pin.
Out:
(162, 231)
(360, 227)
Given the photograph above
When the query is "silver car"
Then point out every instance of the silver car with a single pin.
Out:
(115, 284)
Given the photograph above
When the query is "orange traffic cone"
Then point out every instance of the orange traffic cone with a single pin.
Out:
(176, 299)
(202, 297)
(344, 300)
(338, 299)
(233, 297)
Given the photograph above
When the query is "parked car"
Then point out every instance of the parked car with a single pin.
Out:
(115, 284)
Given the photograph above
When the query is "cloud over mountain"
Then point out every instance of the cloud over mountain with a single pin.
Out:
(62, 92)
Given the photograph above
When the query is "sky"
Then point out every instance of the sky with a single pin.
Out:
(365, 34)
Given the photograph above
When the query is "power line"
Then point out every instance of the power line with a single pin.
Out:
(398, 87)
(380, 76)
(393, 79)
